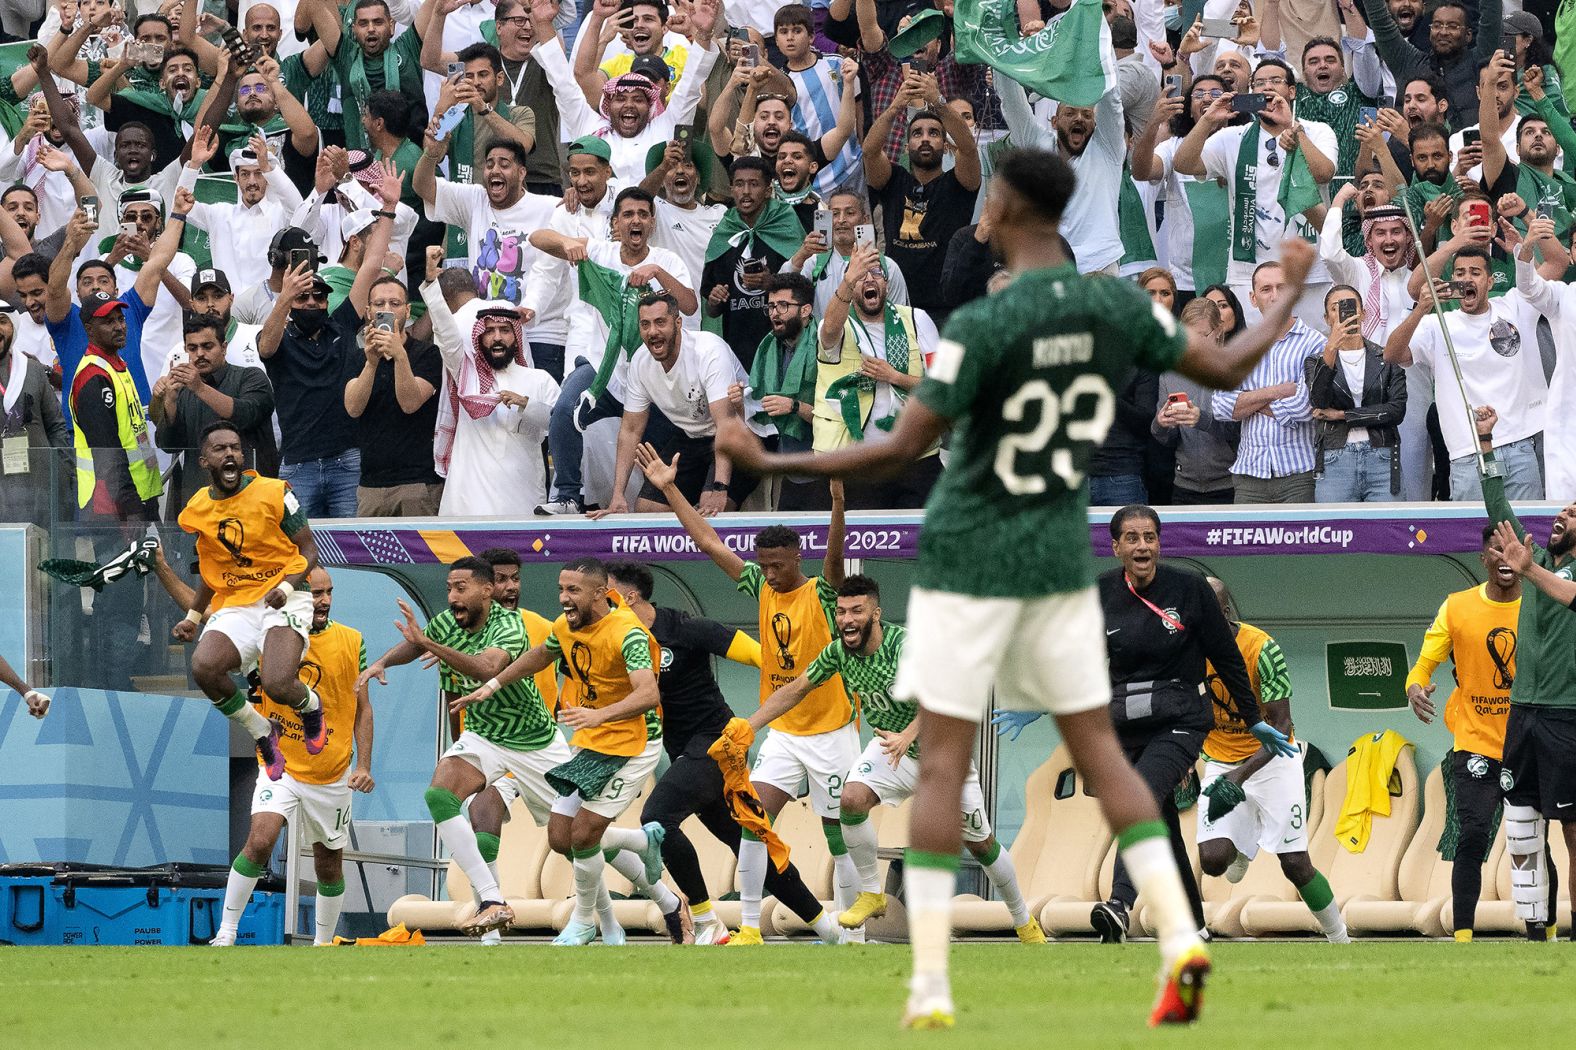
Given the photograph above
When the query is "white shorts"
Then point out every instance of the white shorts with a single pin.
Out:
(529, 769)
(1273, 818)
(624, 787)
(892, 784)
(321, 812)
(247, 625)
(822, 761)
(1040, 654)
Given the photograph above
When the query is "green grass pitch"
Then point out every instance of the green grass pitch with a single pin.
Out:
(1378, 994)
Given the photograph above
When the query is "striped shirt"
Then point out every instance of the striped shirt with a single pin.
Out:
(514, 717)
(815, 114)
(870, 677)
(1279, 444)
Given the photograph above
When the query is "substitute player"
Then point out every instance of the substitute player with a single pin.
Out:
(1005, 598)
(866, 655)
(611, 688)
(694, 714)
(254, 551)
(1252, 797)
(314, 795)
(817, 742)
(1476, 630)
(511, 734)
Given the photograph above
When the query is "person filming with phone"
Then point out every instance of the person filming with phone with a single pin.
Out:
(1358, 403)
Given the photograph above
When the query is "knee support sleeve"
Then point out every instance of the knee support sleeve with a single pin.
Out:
(1525, 835)
(442, 803)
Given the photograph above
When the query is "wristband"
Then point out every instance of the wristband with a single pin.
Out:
(287, 587)
(492, 683)
(193, 616)
(383, 215)
(181, 215)
(717, 486)
(796, 406)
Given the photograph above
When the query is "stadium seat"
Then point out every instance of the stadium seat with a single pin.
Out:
(522, 849)
(800, 828)
(1223, 902)
(1141, 921)
(1071, 916)
(1490, 891)
(1423, 881)
(1371, 874)
(1499, 915)
(972, 914)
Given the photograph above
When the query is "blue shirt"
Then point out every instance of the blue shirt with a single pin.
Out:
(71, 345)
(1279, 444)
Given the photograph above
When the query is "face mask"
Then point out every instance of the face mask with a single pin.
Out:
(308, 320)
(1174, 18)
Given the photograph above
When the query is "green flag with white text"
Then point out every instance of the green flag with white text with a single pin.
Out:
(1063, 61)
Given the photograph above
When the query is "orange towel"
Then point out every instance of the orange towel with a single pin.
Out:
(398, 937)
(731, 752)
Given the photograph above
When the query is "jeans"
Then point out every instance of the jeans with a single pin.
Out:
(1117, 490)
(1356, 473)
(326, 488)
(1523, 475)
(1293, 488)
(565, 441)
(549, 357)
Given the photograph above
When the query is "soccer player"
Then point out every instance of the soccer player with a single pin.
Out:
(694, 714)
(315, 793)
(254, 551)
(1005, 600)
(611, 660)
(817, 742)
(1253, 798)
(866, 654)
(1476, 630)
(512, 734)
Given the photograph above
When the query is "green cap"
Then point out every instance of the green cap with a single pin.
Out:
(699, 152)
(592, 145)
(921, 30)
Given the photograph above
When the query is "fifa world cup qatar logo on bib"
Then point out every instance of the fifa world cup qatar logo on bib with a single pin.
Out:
(782, 631)
(1501, 642)
(232, 537)
(580, 664)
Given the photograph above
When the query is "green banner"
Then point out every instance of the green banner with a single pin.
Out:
(1366, 676)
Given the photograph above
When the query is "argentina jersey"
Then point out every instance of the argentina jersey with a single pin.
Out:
(815, 114)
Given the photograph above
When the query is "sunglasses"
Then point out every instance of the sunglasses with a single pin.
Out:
(252, 89)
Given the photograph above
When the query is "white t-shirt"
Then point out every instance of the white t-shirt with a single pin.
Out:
(1220, 162)
(499, 246)
(704, 370)
(686, 232)
(1500, 366)
(1354, 364)
(32, 339)
(1508, 138)
(1177, 230)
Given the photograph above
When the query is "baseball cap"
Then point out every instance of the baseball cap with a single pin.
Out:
(593, 146)
(320, 285)
(924, 27)
(652, 68)
(210, 278)
(356, 222)
(101, 304)
(292, 238)
(699, 152)
(1523, 23)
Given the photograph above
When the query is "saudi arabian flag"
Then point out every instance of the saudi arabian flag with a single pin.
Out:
(1063, 61)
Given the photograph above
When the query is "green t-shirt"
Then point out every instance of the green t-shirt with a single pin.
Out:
(404, 53)
(317, 94)
(1028, 376)
(1545, 627)
(514, 717)
(871, 678)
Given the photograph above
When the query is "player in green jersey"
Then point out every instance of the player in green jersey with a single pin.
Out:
(1004, 597)
(866, 653)
(511, 732)
(1538, 767)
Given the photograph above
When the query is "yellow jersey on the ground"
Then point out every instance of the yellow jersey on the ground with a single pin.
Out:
(598, 660)
(334, 657)
(1231, 741)
(1478, 635)
(537, 628)
(795, 628)
(244, 547)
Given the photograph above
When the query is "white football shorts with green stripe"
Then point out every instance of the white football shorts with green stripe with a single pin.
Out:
(893, 784)
(321, 811)
(529, 768)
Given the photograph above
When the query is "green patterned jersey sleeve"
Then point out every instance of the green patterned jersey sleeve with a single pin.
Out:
(752, 579)
(554, 648)
(637, 650)
(1274, 678)
(361, 655)
(827, 594)
(828, 663)
(505, 632)
(953, 377)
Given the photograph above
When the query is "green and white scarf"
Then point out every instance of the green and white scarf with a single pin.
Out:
(1298, 193)
(611, 295)
(845, 391)
(158, 102)
(1206, 200)
(796, 381)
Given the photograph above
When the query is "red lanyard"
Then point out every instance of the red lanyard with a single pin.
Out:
(1171, 621)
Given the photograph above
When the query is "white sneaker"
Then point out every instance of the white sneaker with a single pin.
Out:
(1238, 868)
(224, 939)
(711, 933)
(561, 507)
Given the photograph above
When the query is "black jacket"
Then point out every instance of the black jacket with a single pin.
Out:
(1380, 408)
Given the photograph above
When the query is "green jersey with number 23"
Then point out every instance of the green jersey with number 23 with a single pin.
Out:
(1028, 377)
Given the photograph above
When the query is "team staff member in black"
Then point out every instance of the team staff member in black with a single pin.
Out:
(693, 716)
(1161, 625)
